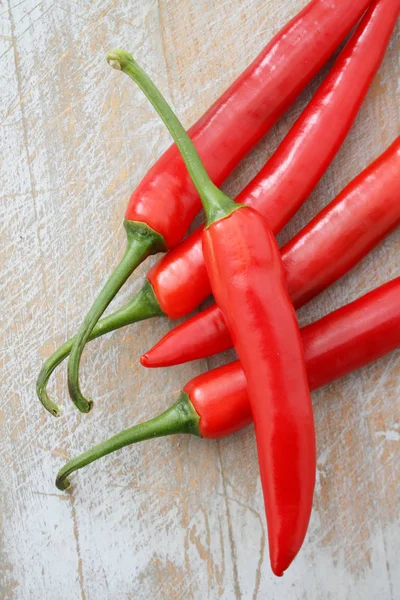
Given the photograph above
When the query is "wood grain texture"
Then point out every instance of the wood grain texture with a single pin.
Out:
(174, 518)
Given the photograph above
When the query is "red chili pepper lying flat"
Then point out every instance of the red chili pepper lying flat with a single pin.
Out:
(163, 205)
(178, 283)
(366, 211)
(215, 404)
(248, 282)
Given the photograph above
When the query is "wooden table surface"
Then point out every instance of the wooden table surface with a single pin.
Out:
(174, 518)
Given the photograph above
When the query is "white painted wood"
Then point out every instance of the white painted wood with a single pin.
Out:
(174, 518)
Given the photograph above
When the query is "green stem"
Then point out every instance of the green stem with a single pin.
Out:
(180, 418)
(143, 305)
(217, 205)
(141, 242)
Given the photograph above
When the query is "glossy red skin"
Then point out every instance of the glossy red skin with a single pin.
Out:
(166, 199)
(365, 212)
(179, 278)
(343, 341)
(248, 282)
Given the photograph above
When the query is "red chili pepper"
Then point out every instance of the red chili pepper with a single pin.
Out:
(165, 202)
(178, 283)
(366, 211)
(248, 281)
(215, 404)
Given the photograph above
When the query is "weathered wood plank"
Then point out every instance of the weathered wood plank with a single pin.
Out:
(180, 517)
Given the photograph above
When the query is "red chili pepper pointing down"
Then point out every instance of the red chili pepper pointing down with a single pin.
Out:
(248, 282)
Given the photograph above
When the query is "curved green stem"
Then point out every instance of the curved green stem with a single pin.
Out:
(217, 205)
(180, 418)
(141, 242)
(143, 305)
